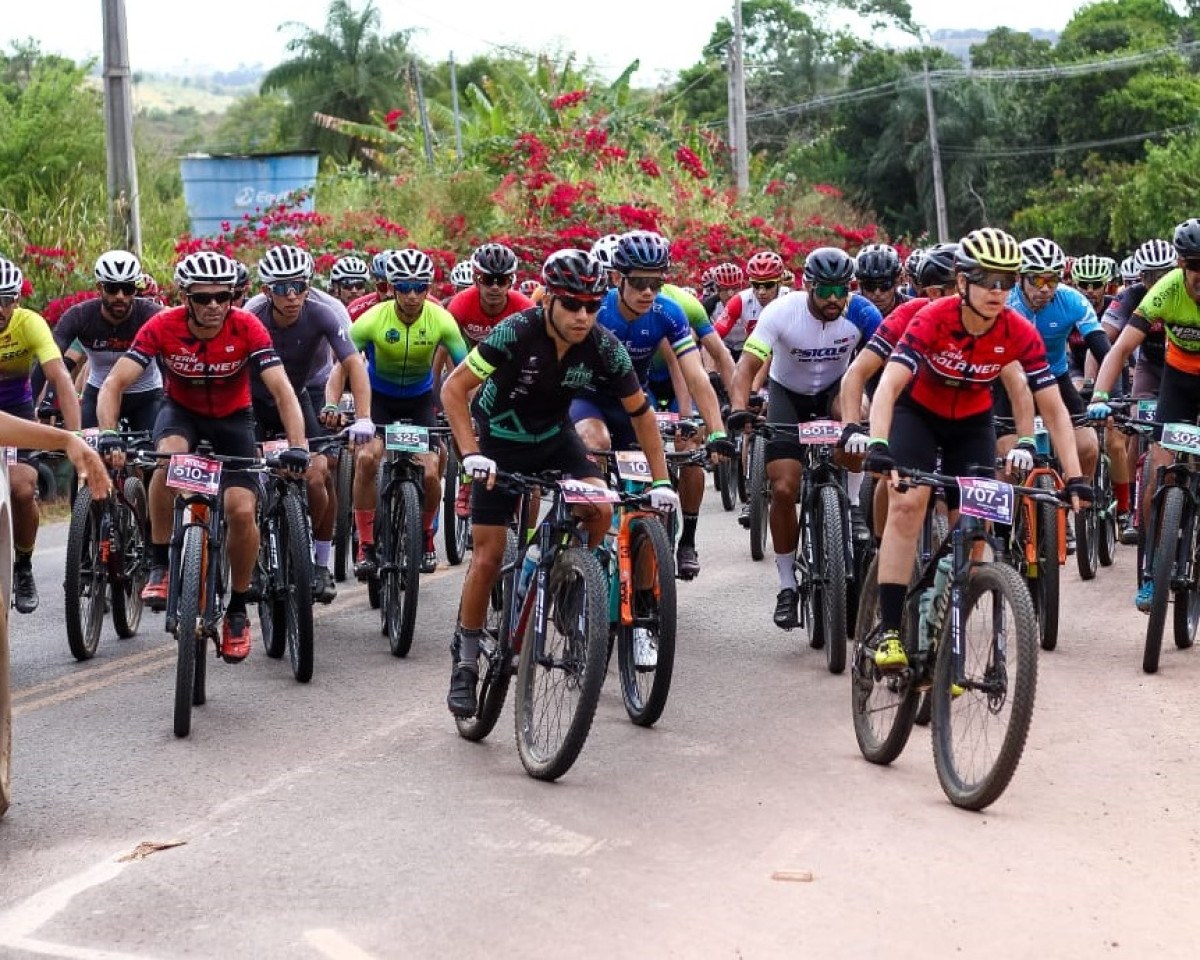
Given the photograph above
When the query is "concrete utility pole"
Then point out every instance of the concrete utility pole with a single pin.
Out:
(457, 119)
(737, 72)
(935, 154)
(124, 219)
(428, 134)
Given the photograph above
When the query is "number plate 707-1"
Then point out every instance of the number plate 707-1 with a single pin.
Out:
(986, 499)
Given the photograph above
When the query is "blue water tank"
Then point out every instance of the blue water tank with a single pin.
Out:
(223, 188)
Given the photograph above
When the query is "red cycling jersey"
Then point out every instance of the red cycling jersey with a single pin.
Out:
(207, 377)
(888, 333)
(953, 370)
(473, 322)
(360, 305)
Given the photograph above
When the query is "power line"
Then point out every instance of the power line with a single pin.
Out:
(1059, 148)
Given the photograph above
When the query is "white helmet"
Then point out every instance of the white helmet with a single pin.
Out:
(285, 263)
(463, 274)
(603, 248)
(408, 265)
(11, 279)
(1129, 271)
(206, 266)
(1039, 255)
(118, 266)
(1154, 255)
(349, 268)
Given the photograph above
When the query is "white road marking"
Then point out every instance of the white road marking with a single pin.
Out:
(46, 949)
(332, 944)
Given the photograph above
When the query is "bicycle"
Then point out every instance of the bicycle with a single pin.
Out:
(978, 660)
(456, 530)
(552, 620)
(283, 572)
(1096, 531)
(107, 559)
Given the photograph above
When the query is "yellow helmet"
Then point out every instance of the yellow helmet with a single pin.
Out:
(988, 249)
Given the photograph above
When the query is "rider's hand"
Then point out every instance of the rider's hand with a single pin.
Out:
(478, 467)
(1020, 457)
(331, 417)
(294, 459)
(109, 442)
(740, 419)
(663, 497)
(1099, 409)
(719, 445)
(1077, 488)
(854, 439)
(89, 468)
(362, 430)
(879, 458)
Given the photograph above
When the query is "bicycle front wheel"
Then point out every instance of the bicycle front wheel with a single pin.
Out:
(344, 522)
(559, 677)
(646, 685)
(401, 582)
(1047, 566)
(760, 501)
(723, 475)
(1165, 547)
(127, 595)
(981, 717)
(456, 531)
(830, 603)
(1087, 541)
(190, 630)
(85, 585)
(297, 580)
(1106, 534)
(495, 654)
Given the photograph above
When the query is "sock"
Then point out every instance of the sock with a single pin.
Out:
(237, 602)
(891, 604)
(321, 550)
(160, 554)
(688, 537)
(468, 645)
(854, 487)
(23, 558)
(364, 523)
(1122, 492)
(785, 563)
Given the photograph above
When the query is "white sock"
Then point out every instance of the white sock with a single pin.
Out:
(785, 564)
(854, 487)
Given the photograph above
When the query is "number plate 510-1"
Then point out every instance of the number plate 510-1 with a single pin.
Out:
(986, 499)
(1182, 438)
(196, 474)
(406, 438)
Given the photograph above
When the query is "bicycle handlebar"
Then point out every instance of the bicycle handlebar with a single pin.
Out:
(925, 478)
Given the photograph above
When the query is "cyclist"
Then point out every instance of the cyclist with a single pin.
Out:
(489, 297)
(462, 277)
(241, 285)
(935, 394)
(105, 328)
(25, 338)
(877, 269)
(643, 319)
(348, 279)
(207, 349)
(532, 289)
(523, 377)
(382, 292)
(1173, 302)
(811, 339)
(729, 280)
(303, 331)
(765, 270)
(400, 338)
(911, 262)
(1129, 272)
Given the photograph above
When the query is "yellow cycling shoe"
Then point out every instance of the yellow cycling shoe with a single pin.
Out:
(890, 654)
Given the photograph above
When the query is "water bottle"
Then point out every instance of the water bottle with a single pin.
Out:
(933, 604)
(532, 555)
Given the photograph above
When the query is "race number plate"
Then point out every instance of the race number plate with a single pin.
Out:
(273, 448)
(986, 499)
(1182, 438)
(1145, 410)
(826, 432)
(195, 474)
(666, 416)
(406, 438)
(576, 491)
(10, 454)
(91, 436)
(633, 465)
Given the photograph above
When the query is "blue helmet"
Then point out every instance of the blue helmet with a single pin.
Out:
(379, 265)
(641, 250)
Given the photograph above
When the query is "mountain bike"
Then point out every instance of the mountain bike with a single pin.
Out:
(456, 530)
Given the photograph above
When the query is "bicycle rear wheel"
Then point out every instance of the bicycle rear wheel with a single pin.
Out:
(559, 678)
(1047, 566)
(1165, 548)
(883, 704)
(760, 501)
(400, 580)
(296, 556)
(271, 614)
(1106, 533)
(645, 687)
(456, 530)
(830, 600)
(190, 630)
(723, 475)
(1087, 541)
(495, 655)
(981, 719)
(5, 711)
(85, 585)
(344, 521)
(127, 595)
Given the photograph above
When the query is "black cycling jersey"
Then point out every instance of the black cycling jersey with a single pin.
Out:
(105, 343)
(1118, 313)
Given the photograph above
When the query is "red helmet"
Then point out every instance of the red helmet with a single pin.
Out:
(729, 275)
(765, 265)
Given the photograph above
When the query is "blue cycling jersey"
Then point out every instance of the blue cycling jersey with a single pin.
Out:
(665, 320)
(1068, 310)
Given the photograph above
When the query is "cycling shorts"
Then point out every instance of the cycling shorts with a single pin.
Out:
(565, 452)
(1147, 380)
(787, 407)
(418, 409)
(1179, 399)
(1002, 402)
(138, 410)
(268, 424)
(967, 446)
(230, 436)
(609, 411)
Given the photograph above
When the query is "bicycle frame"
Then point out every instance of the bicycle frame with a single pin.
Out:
(1028, 509)
(820, 471)
(202, 512)
(1182, 475)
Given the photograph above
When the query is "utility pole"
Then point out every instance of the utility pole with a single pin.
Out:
(935, 154)
(428, 134)
(124, 219)
(737, 72)
(457, 119)
(731, 108)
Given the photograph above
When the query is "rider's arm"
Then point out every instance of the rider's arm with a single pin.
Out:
(702, 391)
(722, 358)
(360, 384)
(17, 432)
(108, 404)
(68, 400)
(895, 378)
(728, 320)
(854, 383)
(645, 427)
(464, 380)
(1114, 362)
(744, 373)
(1020, 397)
(683, 396)
(336, 384)
(290, 415)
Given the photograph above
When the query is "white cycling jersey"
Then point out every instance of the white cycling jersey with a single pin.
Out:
(737, 318)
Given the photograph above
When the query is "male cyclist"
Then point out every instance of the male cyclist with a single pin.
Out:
(765, 271)
(877, 269)
(935, 395)
(348, 279)
(729, 280)
(382, 292)
(207, 349)
(25, 339)
(523, 377)
(811, 338)
(490, 297)
(462, 277)
(400, 338)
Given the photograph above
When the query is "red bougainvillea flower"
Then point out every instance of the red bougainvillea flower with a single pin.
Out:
(828, 190)
(649, 167)
(567, 100)
(687, 158)
(392, 119)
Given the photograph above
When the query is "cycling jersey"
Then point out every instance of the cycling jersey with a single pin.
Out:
(25, 339)
(741, 314)
(810, 354)
(475, 325)
(1067, 310)
(1168, 302)
(953, 370)
(323, 369)
(360, 305)
(527, 389)
(889, 332)
(399, 354)
(105, 343)
(1154, 347)
(641, 337)
(206, 377)
(302, 346)
(697, 318)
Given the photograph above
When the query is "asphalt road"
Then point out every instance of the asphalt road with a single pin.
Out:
(346, 819)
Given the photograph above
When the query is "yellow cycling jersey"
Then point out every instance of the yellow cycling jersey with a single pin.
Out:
(26, 338)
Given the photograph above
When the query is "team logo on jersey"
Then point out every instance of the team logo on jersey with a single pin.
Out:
(577, 376)
(392, 336)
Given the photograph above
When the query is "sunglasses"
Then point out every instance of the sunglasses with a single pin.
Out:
(574, 304)
(411, 286)
(1091, 284)
(1041, 281)
(493, 279)
(353, 284)
(875, 286)
(204, 299)
(284, 287)
(1191, 264)
(992, 280)
(768, 285)
(112, 289)
(646, 283)
(8, 299)
(830, 291)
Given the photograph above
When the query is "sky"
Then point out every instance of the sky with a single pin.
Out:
(166, 36)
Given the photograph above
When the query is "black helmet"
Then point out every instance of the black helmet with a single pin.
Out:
(877, 262)
(828, 265)
(574, 273)
(1187, 238)
(641, 250)
(936, 266)
(495, 259)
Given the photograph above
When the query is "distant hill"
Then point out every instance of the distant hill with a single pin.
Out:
(959, 42)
